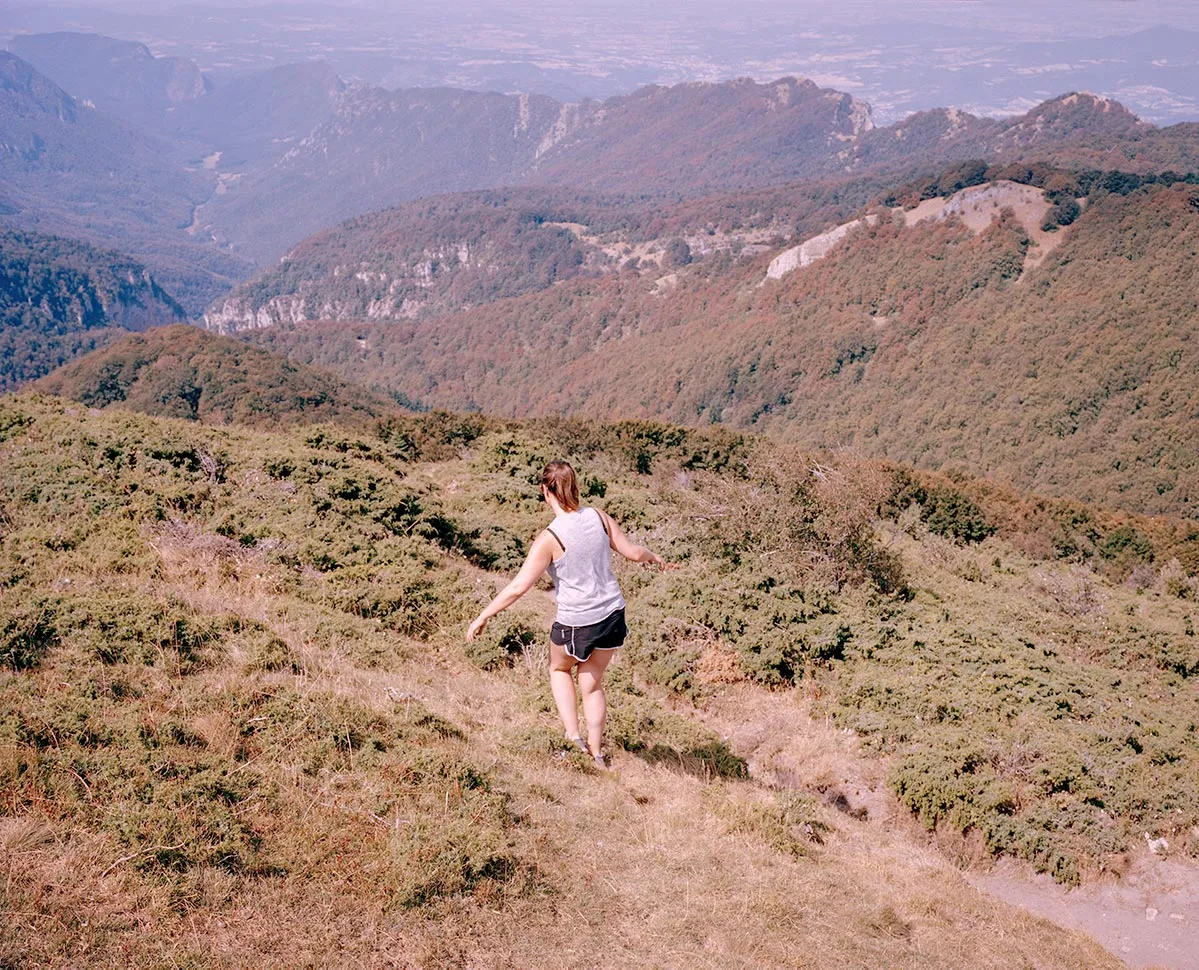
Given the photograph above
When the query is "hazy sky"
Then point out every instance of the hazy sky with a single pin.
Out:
(986, 56)
(1029, 18)
(1052, 14)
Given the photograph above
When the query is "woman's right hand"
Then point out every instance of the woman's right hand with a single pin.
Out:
(478, 625)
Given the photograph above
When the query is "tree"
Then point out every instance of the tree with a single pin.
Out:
(678, 253)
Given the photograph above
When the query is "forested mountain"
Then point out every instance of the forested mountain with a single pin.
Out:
(430, 256)
(252, 119)
(60, 298)
(72, 170)
(929, 343)
(183, 372)
(96, 159)
(381, 148)
(447, 253)
(117, 77)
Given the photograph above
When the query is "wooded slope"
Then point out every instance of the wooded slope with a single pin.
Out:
(925, 344)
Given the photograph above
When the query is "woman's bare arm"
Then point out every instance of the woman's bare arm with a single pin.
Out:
(625, 546)
(540, 556)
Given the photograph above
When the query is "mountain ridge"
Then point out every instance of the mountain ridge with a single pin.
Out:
(1051, 359)
(181, 371)
(300, 132)
(116, 76)
(72, 170)
(729, 136)
(60, 298)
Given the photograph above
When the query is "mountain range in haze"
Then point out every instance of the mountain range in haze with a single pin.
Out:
(223, 154)
(622, 248)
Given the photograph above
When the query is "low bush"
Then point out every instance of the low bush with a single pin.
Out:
(945, 510)
(131, 628)
(639, 726)
(404, 596)
(27, 631)
(502, 643)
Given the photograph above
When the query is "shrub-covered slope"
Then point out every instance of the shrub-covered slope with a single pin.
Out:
(930, 344)
(184, 372)
(235, 693)
(60, 298)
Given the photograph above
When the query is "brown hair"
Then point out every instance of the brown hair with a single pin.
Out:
(560, 479)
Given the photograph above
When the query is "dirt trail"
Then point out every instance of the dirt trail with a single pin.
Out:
(651, 866)
(1149, 919)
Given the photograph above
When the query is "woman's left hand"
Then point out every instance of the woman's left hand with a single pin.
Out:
(477, 626)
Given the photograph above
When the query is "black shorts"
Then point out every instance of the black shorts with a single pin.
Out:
(579, 641)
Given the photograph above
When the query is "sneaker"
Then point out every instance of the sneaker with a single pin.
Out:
(581, 745)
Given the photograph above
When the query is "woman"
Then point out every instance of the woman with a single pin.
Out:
(576, 548)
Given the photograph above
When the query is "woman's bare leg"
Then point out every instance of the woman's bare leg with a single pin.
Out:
(563, 687)
(595, 705)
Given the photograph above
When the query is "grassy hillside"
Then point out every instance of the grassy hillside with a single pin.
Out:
(236, 696)
(927, 344)
(183, 372)
(60, 298)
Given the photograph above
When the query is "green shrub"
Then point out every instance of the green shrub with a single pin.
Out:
(27, 631)
(660, 737)
(774, 657)
(129, 628)
(406, 597)
(1063, 213)
(945, 510)
(271, 654)
(500, 645)
(1126, 545)
(951, 514)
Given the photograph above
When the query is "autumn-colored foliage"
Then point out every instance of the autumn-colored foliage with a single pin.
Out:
(925, 344)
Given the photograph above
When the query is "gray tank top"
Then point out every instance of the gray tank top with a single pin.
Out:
(587, 587)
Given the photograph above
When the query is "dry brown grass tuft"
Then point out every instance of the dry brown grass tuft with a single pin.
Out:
(23, 833)
(1072, 590)
(718, 665)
